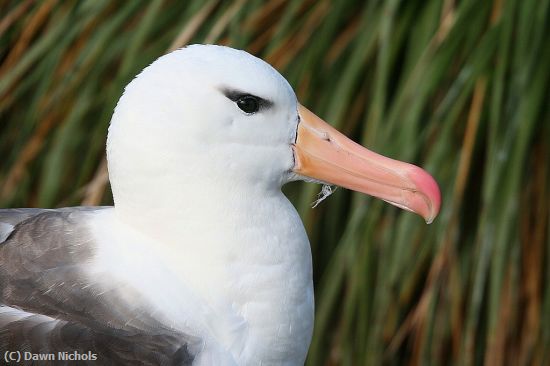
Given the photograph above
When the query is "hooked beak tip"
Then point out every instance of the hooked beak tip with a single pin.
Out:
(428, 189)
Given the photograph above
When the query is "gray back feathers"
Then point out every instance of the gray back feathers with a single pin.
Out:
(49, 305)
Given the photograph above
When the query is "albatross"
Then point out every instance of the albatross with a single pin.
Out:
(202, 260)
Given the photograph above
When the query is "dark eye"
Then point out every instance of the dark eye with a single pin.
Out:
(248, 104)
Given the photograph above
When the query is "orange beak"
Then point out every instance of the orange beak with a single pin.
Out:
(323, 153)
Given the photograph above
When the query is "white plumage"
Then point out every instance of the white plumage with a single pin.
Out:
(201, 244)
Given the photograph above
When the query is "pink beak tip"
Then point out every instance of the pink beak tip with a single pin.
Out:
(428, 187)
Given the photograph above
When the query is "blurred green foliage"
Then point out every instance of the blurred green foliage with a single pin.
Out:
(458, 87)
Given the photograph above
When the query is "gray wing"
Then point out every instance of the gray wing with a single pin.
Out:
(9, 218)
(47, 305)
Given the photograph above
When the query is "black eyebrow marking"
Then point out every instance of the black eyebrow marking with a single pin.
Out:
(234, 95)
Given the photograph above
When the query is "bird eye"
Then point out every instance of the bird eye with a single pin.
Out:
(248, 104)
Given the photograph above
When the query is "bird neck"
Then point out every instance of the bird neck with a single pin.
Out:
(170, 210)
(242, 251)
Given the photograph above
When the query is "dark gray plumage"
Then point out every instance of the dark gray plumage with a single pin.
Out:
(48, 305)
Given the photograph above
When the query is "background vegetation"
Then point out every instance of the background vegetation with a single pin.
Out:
(458, 87)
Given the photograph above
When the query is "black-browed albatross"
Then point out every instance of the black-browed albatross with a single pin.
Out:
(202, 260)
